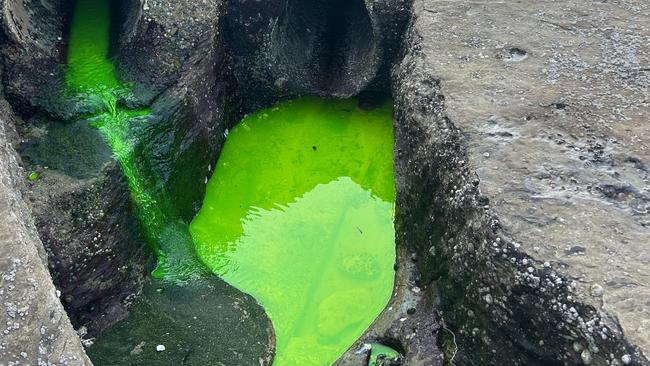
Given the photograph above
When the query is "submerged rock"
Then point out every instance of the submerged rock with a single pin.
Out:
(202, 322)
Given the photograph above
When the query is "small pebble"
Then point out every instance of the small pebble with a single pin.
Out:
(160, 348)
(596, 290)
(577, 346)
(586, 357)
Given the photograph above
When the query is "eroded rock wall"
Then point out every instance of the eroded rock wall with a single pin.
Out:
(35, 327)
(33, 52)
(284, 48)
(521, 146)
(80, 200)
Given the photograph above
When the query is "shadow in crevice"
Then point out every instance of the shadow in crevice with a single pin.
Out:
(329, 47)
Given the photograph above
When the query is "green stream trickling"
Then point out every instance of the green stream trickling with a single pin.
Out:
(92, 77)
(299, 212)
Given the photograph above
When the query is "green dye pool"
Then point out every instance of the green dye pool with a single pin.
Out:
(89, 68)
(299, 212)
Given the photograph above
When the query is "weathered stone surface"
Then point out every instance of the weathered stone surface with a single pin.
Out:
(521, 163)
(162, 40)
(35, 328)
(80, 202)
(96, 255)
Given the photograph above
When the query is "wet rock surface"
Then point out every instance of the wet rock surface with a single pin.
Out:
(521, 163)
(521, 154)
(32, 53)
(160, 41)
(175, 51)
(96, 255)
(168, 326)
(80, 201)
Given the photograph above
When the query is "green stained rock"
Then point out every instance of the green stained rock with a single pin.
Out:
(380, 354)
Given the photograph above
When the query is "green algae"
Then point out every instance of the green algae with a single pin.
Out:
(33, 176)
(299, 215)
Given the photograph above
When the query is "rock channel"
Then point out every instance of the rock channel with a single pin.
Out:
(521, 156)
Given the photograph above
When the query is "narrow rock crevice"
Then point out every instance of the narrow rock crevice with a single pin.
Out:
(326, 47)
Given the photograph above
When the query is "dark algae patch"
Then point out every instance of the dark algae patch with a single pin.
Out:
(298, 214)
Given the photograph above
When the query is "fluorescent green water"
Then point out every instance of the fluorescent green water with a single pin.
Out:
(89, 68)
(299, 214)
(91, 75)
(380, 351)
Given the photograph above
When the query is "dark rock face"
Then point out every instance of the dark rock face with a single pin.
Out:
(96, 256)
(319, 45)
(221, 329)
(283, 48)
(159, 42)
(188, 130)
(466, 139)
(174, 54)
(33, 53)
(81, 206)
(81, 202)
